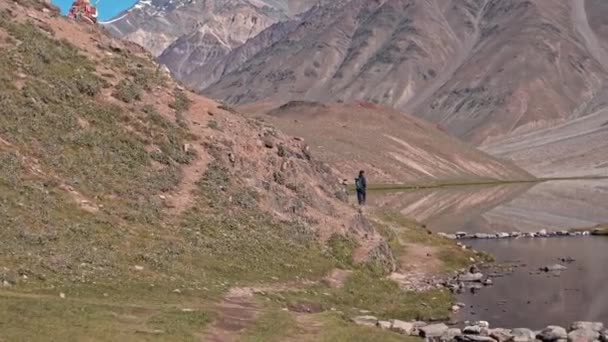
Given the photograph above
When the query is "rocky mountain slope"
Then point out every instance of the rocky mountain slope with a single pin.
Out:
(391, 146)
(188, 34)
(480, 68)
(577, 146)
(487, 71)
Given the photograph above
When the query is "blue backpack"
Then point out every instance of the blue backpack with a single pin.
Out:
(358, 183)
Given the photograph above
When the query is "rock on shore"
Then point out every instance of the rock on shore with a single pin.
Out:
(543, 233)
(480, 331)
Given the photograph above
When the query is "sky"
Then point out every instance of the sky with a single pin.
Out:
(106, 9)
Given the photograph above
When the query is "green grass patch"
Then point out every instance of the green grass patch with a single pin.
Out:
(272, 326)
(342, 248)
(178, 324)
(366, 290)
(55, 319)
(338, 329)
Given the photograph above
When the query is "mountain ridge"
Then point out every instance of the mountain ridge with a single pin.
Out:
(393, 147)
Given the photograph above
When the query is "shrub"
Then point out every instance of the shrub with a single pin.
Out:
(181, 103)
(127, 92)
(213, 124)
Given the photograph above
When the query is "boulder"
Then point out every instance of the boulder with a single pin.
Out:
(405, 328)
(451, 335)
(461, 235)
(553, 333)
(475, 330)
(501, 335)
(583, 335)
(483, 236)
(503, 235)
(483, 324)
(474, 338)
(448, 236)
(567, 260)
(554, 268)
(268, 142)
(369, 321)
(523, 335)
(385, 325)
(604, 336)
(470, 277)
(594, 326)
(433, 330)
(488, 282)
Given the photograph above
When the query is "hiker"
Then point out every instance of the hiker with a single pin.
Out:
(361, 185)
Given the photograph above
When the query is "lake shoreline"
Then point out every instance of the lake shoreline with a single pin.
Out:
(475, 183)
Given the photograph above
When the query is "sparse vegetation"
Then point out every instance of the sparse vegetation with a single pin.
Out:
(227, 108)
(127, 91)
(409, 231)
(181, 103)
(238, 241)
(282, 151)
(341, 248)
(273, 326)
(213, 124)
(370, 291)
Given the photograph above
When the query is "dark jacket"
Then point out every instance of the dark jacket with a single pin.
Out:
(361, 183)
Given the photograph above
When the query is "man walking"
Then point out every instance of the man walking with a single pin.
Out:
(361, 185)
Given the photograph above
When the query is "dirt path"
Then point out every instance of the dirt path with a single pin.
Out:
(237, 311)
(182, 197)
(581, 24)
(419, 268)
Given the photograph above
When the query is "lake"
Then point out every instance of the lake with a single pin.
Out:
(106, 9)
(525, 297)
(533, 299)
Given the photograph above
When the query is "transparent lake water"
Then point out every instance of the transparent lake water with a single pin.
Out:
(524, 297)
